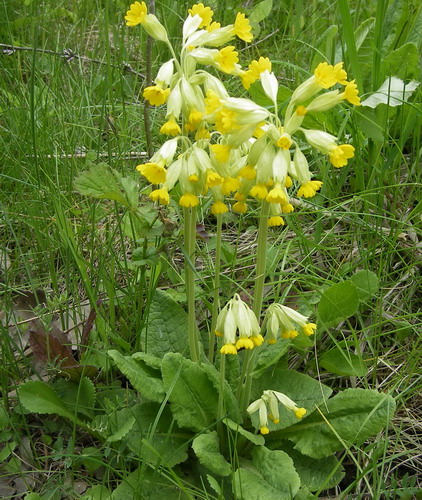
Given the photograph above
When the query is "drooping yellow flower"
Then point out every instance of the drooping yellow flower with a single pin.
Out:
(221, 152)
(240, 207)
(242, 28)
(289, 334)
(160, 195)
(156, 95)
(248, 172)
(277, 195)
(300, 413)
(214, 179)
(205, 13)
(212, 102)
(225, 121)
(259, 191)
(301, 111)
(245, 343)
(309, 189)
(287, 208)
(309, 329)
(340, 154)
(154, 173)
(275, 221)
(202, 133)
(170, 127)
(229, 185)
(288, 182)
(219, 208)
(189, 200)
(136, 14)
(351, 93)
(194, 119)
(228, 349)
(226, 59)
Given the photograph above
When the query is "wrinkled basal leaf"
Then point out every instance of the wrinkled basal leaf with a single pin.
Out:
(343, 363)
(102, 182)
(367, 284)
(144, 379)
(166, 328)
(273, 477)
(192, 395)
(337, 303)
(350, 417)
(206, 448)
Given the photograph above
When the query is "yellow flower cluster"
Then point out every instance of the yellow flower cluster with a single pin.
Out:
(232, 146)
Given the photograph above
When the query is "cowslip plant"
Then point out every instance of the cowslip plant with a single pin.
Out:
(228, 152)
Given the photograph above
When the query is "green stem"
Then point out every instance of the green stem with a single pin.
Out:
(220, 407)
(245, 381)
(216, 295)
(190, 233)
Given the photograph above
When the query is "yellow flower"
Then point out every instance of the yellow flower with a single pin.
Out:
(309, 329)
(189, 200)
(259, 191)
(284, 142)
(214, 179)
(155, 173)
(205, 13)
(248, 172)
(136, 14)
(228, 349)
(156, 95)
(242, 28)
(170, 128)
(264, 430)
(225, 121)
(289, 334)
(219, 208)
(259, 66)
(213, 26)
(277, 195)
(245, 343)
(226, 59)
(287, 208)
(327, 75)
(160, 195)
(300, 412)
(221, 152)
(288, 182)
(340, 154)
(202, 133)
(248, 78)
(240, 207)
(229, 185)
(257, 340)
(275, 221)
(309, 189)
(212, 102)
(351, 93)
(301, 110)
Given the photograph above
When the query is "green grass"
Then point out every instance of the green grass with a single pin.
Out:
(77, 250)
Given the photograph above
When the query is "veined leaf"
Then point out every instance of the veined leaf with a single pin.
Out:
(337, 303)
(207, 450)
(348, 419)
(393, 92)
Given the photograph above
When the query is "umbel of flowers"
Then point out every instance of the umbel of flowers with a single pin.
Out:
(231, 148)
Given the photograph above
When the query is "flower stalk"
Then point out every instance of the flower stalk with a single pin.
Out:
(216, 292)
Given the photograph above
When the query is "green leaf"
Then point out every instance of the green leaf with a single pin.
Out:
(126, 427)
(273, 476)
(305, 391)
(343, 363)
(206, 448)
(231, 404)
(102, 182)
(144, 379)
(38, 397)
(315, 474)
(348, 419)
(370, 124)
(192, 395)
(323, 49)
(155, 437)
(270, 354)
(261, 11)
(78, 397)
(402, 62)
(367, 284)
(167, 326)
(337, 303)
(257, 439)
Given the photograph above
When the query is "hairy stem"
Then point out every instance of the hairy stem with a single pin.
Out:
(189, 236)
(216, 294)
